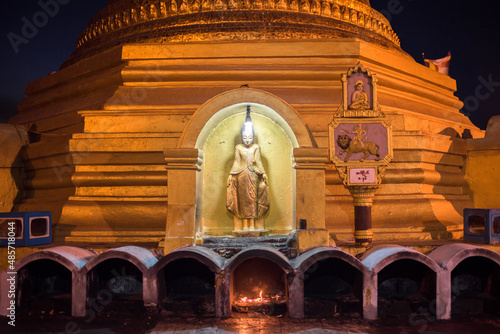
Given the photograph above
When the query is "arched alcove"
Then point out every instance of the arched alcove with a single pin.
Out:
(472, 277)
(475, 287)
(115, 286)
(258, 285)
(198, 168)
(45, 287)
(187, 289)
(52, 276)
(404, 282)
(276, 141)
(251, 271)
(209, 115)
(329, 282)
(405, 287)
(332, 288)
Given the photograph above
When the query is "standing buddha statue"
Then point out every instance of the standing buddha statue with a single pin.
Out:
(247, 184)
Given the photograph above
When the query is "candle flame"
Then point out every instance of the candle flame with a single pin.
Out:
(259, 299)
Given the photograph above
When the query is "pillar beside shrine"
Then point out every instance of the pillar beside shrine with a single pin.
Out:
(182, 166)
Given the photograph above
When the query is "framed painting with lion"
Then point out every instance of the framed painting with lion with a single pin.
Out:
(360, 142)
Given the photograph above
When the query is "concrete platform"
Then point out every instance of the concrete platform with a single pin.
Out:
(261, 325)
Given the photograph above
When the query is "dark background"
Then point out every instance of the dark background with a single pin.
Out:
(468, 29)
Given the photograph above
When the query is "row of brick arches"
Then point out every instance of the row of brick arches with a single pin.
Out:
(323, 282)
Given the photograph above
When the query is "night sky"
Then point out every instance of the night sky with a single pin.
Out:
(468, 29)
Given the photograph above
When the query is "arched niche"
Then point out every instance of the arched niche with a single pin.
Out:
(218, 140)
(217, 123)
(214, 110)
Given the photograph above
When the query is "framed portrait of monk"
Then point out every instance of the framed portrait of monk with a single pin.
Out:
(359, 90)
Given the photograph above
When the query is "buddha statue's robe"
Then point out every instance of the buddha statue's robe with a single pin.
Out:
(247, 189)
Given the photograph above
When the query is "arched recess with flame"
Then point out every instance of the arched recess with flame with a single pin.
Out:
(262, 275)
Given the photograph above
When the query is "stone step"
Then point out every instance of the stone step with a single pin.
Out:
(114, 236)
(103, 239)
(403, 233)
(230, 246)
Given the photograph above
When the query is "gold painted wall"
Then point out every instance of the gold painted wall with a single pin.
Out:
(118, 111)
(276, 154)
(483, 167)
(12, 140)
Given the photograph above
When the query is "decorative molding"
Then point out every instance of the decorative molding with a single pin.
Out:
(115, 18)
(183, 159)
(310, 158)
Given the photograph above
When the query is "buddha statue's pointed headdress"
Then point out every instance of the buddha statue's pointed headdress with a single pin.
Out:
(248, 126)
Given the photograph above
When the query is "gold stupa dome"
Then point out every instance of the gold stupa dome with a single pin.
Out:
(151, 21)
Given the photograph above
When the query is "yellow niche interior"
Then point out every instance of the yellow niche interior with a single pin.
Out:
(218, 156)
